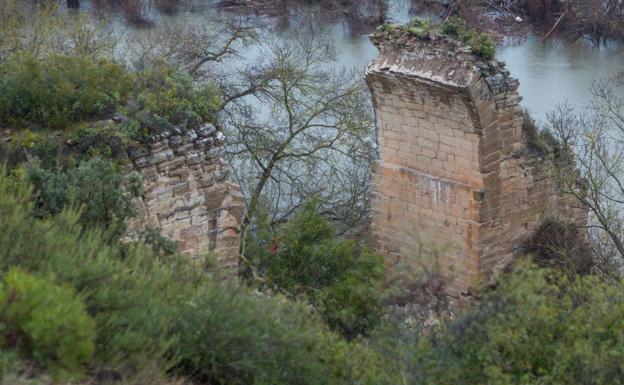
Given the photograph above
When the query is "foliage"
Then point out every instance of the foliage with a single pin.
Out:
(540, 142)
(421, 28)
(59, 89)
(387, 27)
(160, 245)
(511, 339)
(46, 322)
(116, 283)
(92, 140)
(171, 95)
(268, 340)
(481, 43)
(96, 185)
(455, 27)
(305, 257)
(352, 305)
(535, 327)
(169, 312)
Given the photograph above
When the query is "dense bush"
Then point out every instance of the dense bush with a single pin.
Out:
(536, 327)
(116, 282)
(58, 90)
(240, 338)
(481, 43)
(168, 97)
(305, 257)
(170, 312)
(96, 186)
(45, 322)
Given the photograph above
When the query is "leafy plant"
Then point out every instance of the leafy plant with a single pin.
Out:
(481, 44)
(387, 27)
(96, 185)
(168, 97)
(166, 312)
(58, 90)
(46, 322)
(535, 327)
(421, 28)
(305, 257)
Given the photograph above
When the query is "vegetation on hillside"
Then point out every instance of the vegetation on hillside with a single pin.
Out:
(83, 302)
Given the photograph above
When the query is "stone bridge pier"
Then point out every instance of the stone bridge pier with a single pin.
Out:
(453, 170)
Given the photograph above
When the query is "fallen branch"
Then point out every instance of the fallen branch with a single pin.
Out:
(495, 7)
(556, 24)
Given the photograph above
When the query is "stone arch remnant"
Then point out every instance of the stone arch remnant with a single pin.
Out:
(453, 167)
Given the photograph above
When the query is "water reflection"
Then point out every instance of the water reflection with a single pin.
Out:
(549, 73)
(556, 71)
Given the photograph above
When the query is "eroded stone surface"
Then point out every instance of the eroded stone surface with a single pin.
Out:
(453, 168)
(187, 192)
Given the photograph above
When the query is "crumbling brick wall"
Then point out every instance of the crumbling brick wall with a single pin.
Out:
(187, 192)
(453, 169)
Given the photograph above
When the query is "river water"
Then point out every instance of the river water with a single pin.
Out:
(549, 73)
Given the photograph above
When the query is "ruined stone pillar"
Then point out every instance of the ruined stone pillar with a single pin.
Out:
(188, 194)
(453, 169)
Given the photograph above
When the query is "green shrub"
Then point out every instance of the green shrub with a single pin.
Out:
(46, 322)
(351, 305)
(228, 335)
(387, 27)
(483, 45)
(117, 281)
(453, 27)
(97, 186)
(536, 327)
(168, 97)
(305, 257)
(107, 141)
(541, 142)
(421, 28)
(169, 312)
(59, 89)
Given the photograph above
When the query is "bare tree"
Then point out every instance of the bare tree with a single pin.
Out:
(44, 30)
(208, 54)
(590, 163)
(305, 132)
(599, 20)
(25, 31)
(193, 48)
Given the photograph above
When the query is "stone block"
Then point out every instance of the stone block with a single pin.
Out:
(160, 156)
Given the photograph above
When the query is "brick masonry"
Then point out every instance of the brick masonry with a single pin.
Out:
(453, 170)
(187, 192)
